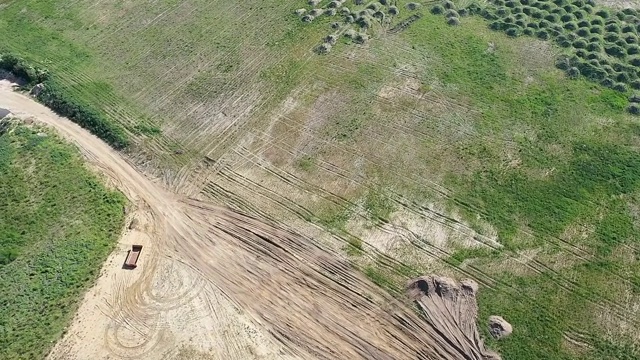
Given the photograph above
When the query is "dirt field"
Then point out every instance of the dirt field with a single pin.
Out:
(213, 283)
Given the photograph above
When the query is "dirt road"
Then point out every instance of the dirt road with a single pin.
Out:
(223, 285)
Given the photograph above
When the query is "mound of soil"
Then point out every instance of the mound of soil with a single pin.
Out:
(499, 327)
(450, 308)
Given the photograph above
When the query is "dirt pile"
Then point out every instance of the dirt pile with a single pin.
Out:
(450, 308)
(499, 327)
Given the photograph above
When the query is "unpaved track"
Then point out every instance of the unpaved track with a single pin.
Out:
(204, 261)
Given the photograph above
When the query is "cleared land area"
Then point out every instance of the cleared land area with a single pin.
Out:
(209, 269)
(454, 150)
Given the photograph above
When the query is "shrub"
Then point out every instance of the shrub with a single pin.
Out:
(595, 29)
(451, 13)
(546, 6)
(413, 6)
(587, 9)
(563, 41)
(59, 101)
(374, 6)
(597, 21)
(393, 10)
(584, 24)
(558, 11)
(608, 69)
(622, 77)
(463, 12)
(594, 56)
(544, 24)
(437, 9)
(635, 84)
(615, 50)
(513, 32)
(595, 39)
(596, 47)
(563, 62)
(525, 2)
(498, 2)
(607, 82)
(510, 4)
(528, 31)
(633, 109)
(521, 23)
(474, 8)
(518, 10)
(503, 11)
(573, 73)
(635, 61)
(497, 25)
(570, 8)
(578, 3)
(308, 18)
(621, 87)
(612, 28)
(560, 2)
(580, 14)
(453, 21)
(551, 18)
(528, 10)
(537, 14)
(553, 32)
(533, 25)
(580, 44)
(631, 19)
(623, 44)
(449, 5)
(581, 53)
(633, 49)
(611, 37)
(567, 18)
(603, 13)
(21, 69)
(630, 11)
(628, 28)
(584, 32)
(543, 35)
(509, 20)
(571, 26)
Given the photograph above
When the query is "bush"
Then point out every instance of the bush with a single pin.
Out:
(509, 20)
(633, 49)
(584, 32)
(635, 61)
(597, 21)
(543, 35)
(520, 16)
(543, 24)
(595, 39)
(59, 101)
(635, 84)
(611, 37)
(580, 15)
(630, 11)
(580, 44)
(497, 25)
(21, 69)
(594, 56)
(596, 47)
(621, 87)
(463, 12)
(528, 31)
(622, 77)
(578, 3)
(567, 18)
(615, 50)
(537, 14)
(573, 73)
(563, 62)
(546, 6)
(628, 28)
(528, 10)
(513, 32)
(552, 18)
(587, 9)
(449, 5)
(570, 8)
(581, 53)
(571, 26)
(584, 24)
(413, 6)
(633, 109)
(558, 11)
(521, 23)
(453, 21)
(607, 82)
(612, 28)
(563, 41)
(503, 11)
(603, 13)
(533, 25)
(560, 2)
(608, 69)
(595, 29)
(510, 4)
(451, 13)
(437, 9)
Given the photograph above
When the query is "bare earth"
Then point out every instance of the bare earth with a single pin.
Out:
(216, 284)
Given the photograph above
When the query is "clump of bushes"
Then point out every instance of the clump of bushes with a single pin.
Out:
(22, 69)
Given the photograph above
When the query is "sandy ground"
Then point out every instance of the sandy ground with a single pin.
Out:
(231, 286)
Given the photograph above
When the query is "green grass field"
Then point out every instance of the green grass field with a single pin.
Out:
(58, 223)
(433, 127)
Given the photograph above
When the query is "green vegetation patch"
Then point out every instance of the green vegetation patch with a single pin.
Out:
(58, 223)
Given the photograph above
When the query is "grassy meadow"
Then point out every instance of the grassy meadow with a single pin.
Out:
(436, 125)
(58, 223)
